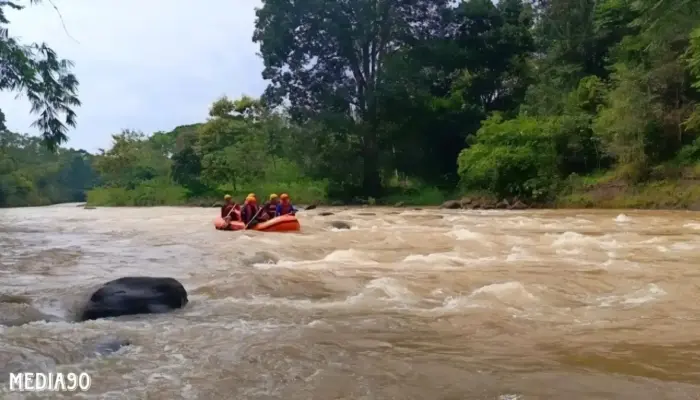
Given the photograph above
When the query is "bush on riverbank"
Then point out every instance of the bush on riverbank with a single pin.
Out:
(302, 192)
(149, 193)
(672, 185)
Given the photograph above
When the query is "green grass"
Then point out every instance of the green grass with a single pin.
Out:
(165, 194)
(671, 189)
(654, 195)
(149, 193)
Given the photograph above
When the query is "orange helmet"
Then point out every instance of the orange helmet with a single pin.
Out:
(284, 196)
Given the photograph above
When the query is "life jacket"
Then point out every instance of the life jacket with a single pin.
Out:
(248, 212)
(236, 214)
(226, 209)
(285, 208)
(271, 209)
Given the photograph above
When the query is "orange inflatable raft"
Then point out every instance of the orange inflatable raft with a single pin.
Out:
(283, 223)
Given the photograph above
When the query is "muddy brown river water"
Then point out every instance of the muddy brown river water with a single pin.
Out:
(407, 304)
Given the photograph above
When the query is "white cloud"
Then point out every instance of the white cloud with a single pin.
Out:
(147, 65)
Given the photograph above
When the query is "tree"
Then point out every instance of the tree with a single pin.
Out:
(438, 91)
(327, 59)
(46, 80)
(133, 159)
(30, 174)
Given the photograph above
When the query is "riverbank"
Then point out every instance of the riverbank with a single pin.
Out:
(658, 195)
(609, 190)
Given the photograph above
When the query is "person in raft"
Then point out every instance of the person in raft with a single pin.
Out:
(285, 207)
(251, 214)
(270, 208)
(230, 211)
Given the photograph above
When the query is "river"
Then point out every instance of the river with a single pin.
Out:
(407, 304)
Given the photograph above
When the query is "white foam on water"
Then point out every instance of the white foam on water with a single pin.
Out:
(349, 255)
(445, 261)
(385, 292)
(692, 225)
(662, 249)
(512, 293)
(506, 290)
(569, 252)
(683, 246)
(573, 239)
(387, 289)
(653, 240)
(518, 253)
(622, 218)
(614, 263)
(435, 258)
(647, 294)
(466, 234)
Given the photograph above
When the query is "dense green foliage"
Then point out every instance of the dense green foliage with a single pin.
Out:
(573, 102)
(36, 71)
(32, 175)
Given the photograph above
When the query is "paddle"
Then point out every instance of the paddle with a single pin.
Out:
(230, 212)
(253, 219)
(226, 218)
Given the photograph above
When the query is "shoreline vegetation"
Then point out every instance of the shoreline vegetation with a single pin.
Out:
(513, 105)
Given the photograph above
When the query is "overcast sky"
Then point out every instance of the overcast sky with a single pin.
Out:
(146, 65)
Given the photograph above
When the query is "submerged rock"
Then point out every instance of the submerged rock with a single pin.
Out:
(135, 295)
(311, 207)
(110, 345)
(18, 310)
(340, 225)
(451, 205)
(262, 257)
(518, 205)
(325, 213)
(503, 204)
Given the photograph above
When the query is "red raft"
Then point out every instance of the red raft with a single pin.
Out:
(283, 223)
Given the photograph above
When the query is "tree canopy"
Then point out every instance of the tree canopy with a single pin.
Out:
(384, 100)
(37, 72)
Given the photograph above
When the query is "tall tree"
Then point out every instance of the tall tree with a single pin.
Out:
(328, 58)
(36, 71)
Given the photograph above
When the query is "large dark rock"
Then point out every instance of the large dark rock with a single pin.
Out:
(135, 295)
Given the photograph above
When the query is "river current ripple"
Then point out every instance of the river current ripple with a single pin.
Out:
(406, 304)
